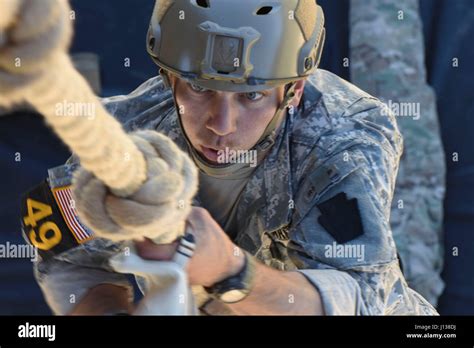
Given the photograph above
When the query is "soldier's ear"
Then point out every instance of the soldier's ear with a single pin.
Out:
(299, 88)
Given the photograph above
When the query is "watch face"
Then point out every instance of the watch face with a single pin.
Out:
(233, 296)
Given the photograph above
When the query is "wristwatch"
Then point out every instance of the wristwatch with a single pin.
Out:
(236, 287)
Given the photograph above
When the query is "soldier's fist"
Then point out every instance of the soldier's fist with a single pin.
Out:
(215, 257)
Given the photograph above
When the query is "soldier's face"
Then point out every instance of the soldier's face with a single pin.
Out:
(215, 120)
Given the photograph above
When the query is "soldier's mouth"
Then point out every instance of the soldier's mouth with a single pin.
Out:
(210, 154)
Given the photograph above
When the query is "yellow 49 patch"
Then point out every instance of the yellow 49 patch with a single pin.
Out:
(50, 222)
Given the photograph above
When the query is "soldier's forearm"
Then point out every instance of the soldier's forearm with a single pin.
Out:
(104, 299)
(280, 293)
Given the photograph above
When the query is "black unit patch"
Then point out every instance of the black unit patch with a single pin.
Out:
(340, 216)
(49, 220)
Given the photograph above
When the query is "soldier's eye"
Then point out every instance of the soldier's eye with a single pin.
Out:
(254, 96)
(196, 88)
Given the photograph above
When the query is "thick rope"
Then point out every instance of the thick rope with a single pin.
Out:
(128, 187)
(157, 210)
(34, 66)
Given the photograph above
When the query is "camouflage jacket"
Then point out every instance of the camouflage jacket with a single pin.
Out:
(322, 193)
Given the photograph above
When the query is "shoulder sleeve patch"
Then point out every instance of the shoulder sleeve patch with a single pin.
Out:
(50, 222)
(340, 216)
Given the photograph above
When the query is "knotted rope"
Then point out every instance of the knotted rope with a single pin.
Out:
(128, 186)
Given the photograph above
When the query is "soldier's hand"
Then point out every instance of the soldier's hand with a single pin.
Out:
(215, 257)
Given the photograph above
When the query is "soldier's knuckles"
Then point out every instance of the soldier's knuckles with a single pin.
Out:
(198, 214)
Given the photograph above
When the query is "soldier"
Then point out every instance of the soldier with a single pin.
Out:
(297, 172)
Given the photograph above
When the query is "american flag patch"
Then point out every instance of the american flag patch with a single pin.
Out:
(63, 197)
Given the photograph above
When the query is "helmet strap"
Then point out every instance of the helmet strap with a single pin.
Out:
(269, 135)
(166, 79)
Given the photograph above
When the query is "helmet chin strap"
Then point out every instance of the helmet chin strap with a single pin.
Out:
(262, 146)
(269, 135)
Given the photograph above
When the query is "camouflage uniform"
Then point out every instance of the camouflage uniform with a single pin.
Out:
(387, 61)
(336, 142)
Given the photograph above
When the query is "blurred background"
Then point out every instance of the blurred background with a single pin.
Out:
(109, 49)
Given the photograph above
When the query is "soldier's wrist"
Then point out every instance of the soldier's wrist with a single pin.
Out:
(238, 284)
(234, 265)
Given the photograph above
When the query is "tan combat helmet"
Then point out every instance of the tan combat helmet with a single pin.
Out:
(237, 45)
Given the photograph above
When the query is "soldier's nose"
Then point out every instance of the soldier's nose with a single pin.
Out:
(222, 120)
